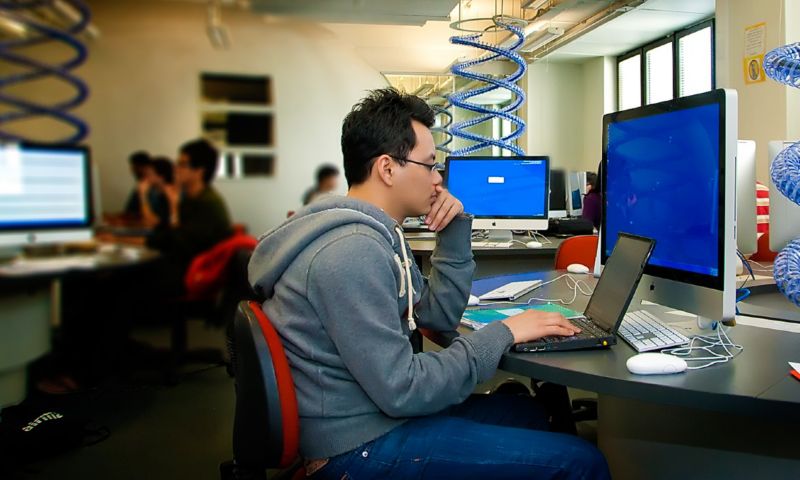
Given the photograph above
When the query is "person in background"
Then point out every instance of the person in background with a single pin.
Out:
(198, 216)
(592, 202)
(344, 294)
(141, 168)
(154, 190)
(327, 181)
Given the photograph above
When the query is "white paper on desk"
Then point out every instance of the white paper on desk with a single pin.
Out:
(796, 366)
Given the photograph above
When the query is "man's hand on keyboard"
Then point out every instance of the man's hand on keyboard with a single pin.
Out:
(532, 324)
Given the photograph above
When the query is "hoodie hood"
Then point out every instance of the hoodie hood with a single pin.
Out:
(278, 248)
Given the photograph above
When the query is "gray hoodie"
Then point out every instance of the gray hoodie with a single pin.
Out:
(336, 288)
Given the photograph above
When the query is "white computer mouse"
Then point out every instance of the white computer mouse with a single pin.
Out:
(577, 268)
(534, 244)
(655, 364)
(473, 300)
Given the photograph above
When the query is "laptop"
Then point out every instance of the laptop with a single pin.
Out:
(609, 302)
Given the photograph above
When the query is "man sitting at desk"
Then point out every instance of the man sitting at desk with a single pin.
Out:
(198, 216)
(344, 294)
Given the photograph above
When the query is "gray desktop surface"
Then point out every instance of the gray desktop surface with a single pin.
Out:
(754, 383)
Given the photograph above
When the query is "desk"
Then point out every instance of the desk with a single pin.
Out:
(29, 304)
(734, 420)
(514, 259)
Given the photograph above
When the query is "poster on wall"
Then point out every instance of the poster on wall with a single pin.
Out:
(754, 50)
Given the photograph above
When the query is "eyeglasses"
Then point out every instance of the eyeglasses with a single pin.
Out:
(436, 166)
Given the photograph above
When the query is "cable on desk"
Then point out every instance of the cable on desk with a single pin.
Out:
(707, 344)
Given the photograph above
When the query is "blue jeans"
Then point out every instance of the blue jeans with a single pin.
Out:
(488, 436)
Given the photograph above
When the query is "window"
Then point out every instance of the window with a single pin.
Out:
(680, 64)
(237, 115)
(658, 72)
(695, 53)
(629, 87)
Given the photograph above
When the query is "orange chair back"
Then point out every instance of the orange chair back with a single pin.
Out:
(579, 249)
(266, 430)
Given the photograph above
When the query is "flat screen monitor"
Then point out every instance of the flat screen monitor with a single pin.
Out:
(783, 213)
(503, 193)
(576, 184)
(45, 194)
(558, 194)
(746, 234)
(669, 174)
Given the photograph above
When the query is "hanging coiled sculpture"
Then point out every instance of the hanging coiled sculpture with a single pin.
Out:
(462, 99)
(28, 69)
(443, 128)
(783, 65)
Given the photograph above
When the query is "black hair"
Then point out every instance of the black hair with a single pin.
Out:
(202, 155)
(139, 158)
(326, 171)
(591, 179)
(380, 124)
(163, 168)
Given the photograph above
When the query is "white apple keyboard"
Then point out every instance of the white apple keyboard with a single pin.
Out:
(484, 244)
(645, 332)
(511, 291)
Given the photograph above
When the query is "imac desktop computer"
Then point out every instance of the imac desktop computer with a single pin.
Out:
(669, 174)
(558, 194)
(783, 213)
(45, 195)
(503, 193)
(746, 228)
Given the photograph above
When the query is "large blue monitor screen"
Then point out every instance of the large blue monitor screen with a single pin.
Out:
(500, 187)
(662, 181)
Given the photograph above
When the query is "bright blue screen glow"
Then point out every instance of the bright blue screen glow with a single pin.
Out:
(496, 187)
(576, 199)
(662, 182)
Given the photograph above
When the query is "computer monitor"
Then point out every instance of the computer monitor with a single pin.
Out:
(45, 194)
(669, 174)
(576, 186)
(783, 213)
(558, 193)
(746, 234)
(503, 193)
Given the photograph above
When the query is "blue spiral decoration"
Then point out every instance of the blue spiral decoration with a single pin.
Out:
(33, 69)
(461, 99)
(783, 65)
(444, 128)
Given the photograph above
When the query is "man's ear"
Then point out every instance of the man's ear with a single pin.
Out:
(384, 169)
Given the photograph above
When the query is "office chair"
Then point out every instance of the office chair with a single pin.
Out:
(215, 302)
(266, 429)
(579, 249)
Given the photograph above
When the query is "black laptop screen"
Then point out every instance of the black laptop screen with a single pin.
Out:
(619, 280)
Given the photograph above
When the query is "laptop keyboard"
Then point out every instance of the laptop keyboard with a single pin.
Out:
(588, 330)
(645, 332)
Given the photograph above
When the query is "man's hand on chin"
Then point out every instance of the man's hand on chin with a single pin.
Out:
(443, 211)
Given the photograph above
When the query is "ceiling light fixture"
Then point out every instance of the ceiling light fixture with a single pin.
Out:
(548, 36)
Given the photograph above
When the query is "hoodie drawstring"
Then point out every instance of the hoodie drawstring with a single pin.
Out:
(412, 325)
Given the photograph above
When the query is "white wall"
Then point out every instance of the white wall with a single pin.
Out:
(762, 106)
(144, 78)
(600, 97)
(555, 114)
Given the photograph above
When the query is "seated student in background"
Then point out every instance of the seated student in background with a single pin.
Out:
(154, 190)
(198, 216)
(344, 293)
(592, 202)
(327, 181)
(141, 168)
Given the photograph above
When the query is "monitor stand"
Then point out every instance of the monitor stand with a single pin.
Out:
(500, 236)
